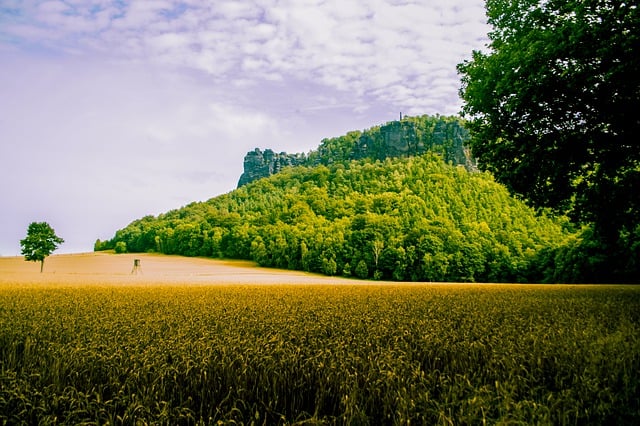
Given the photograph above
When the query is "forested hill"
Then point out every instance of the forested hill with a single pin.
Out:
(410, 136)
(405, 218)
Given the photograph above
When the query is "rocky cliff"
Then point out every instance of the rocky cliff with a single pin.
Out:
(410, 136)
(259, 164)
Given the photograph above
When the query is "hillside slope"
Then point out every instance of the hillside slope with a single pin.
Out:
(411, 218)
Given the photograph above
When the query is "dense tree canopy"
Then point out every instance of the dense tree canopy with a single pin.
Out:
(554, 105)
(414, 219)
(553, 110)
(40, 242)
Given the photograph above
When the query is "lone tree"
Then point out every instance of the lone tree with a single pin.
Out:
(553, 109)
(40, 242)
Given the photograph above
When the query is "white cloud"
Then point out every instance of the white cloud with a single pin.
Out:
(331, 41)
(114, 109)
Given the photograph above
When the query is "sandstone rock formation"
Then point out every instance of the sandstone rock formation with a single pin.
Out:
(259, 164)
(410, 136)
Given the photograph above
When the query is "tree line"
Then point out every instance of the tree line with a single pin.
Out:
(406, 219)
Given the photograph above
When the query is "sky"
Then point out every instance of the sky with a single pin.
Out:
(111, 110)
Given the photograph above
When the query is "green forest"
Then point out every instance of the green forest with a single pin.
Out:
(401, 218)
(407, 218)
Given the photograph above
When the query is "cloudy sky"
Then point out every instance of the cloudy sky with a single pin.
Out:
(114, 109)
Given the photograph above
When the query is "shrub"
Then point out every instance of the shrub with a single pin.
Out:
(121, 247)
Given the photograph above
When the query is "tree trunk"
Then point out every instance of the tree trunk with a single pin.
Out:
(41, 265)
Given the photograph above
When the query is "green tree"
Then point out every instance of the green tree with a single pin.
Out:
(553, 107)
(329, 266)
(40, 242)
(121, 247)
(259, 252)
(362, 271)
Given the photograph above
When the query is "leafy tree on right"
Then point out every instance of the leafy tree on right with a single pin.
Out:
(554, 114)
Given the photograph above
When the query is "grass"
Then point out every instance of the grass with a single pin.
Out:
(319, 354)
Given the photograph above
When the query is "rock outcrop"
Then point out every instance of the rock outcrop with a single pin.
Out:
(259, 164)
(445, 136)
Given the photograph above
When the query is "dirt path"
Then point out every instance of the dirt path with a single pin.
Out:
(106, 268)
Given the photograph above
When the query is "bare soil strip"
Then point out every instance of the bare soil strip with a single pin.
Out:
(107, 268)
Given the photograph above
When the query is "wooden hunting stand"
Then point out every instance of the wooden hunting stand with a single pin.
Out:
(136, 267)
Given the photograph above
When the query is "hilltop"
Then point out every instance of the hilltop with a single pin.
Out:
(422, 217)
(407, 137)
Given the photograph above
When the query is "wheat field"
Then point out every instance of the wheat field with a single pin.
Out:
(197, 341)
